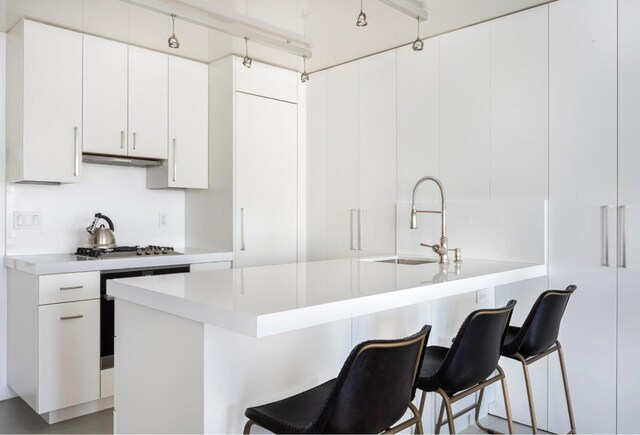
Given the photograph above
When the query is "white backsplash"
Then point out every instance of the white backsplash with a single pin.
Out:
(66, 210)
(498, 229)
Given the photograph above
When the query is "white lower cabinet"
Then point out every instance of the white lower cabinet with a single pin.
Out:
(68, 354)
(53, 340)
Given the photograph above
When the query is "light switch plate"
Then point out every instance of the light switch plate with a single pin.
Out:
(162, 220)
(27, 220)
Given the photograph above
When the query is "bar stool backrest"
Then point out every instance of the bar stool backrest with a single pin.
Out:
(475, 351)
(541, 328)
(374, 387)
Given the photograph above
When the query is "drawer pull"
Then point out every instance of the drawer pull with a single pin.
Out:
(75, 287)
(79, 316)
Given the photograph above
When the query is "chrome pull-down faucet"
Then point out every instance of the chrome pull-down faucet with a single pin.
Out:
(442, 249)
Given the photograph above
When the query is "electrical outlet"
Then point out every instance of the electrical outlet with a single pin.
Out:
(481, 296)
(162, 220)
(27, 220)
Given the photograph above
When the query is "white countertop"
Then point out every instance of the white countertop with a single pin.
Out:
(268, 300)
(46, 264)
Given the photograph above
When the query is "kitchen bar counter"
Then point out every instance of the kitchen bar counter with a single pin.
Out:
(46, 264)
(268, 300)
(193, 351)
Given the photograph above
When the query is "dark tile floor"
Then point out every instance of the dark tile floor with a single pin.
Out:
(18, 417)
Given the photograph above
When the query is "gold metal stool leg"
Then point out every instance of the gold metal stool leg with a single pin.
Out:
(507, 404)
(527, 381)
(477, 416)
(566, 389)
(439, 421)
(447, 404)
(247, 427)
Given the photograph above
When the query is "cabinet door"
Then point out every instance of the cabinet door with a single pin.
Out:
(68, 354)
(629, 215)
(582, 180)
(148, 103)
(52, 129)
(377, 154)
(342, 161)
(188, 123)
(104, 96)
(266, 181)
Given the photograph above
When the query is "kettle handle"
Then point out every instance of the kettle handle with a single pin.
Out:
(106, 218)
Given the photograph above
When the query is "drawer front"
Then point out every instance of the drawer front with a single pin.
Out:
(69, 287)
(68, 354)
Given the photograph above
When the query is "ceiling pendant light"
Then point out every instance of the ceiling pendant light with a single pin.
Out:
(418, 44)
(247, 60)
(304, 77)
(173, 41)
(362, 17)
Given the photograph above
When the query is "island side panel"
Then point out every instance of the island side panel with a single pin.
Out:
(158, 371)
(243, 371)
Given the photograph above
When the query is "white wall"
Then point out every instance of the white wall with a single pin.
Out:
(66, 210)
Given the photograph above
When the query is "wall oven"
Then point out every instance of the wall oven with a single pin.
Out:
(107, 305)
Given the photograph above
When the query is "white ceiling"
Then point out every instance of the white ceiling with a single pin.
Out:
(328, 24)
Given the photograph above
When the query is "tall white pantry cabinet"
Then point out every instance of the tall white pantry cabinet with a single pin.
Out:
(251, 207)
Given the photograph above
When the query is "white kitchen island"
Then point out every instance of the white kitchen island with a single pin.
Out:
(192, 351)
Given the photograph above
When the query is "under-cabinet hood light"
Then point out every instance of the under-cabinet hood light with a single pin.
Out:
(362, 17)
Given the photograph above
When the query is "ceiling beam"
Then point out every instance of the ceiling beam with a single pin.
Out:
(232, 24)
(413, 8)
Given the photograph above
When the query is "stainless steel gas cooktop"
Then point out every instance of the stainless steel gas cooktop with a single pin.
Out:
(126, 251)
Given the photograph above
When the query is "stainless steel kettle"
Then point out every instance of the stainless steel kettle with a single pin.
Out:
(99, 236)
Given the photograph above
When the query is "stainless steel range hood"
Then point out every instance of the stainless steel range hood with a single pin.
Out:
(120, 161)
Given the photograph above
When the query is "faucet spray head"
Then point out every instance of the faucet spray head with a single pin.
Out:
(414, 218)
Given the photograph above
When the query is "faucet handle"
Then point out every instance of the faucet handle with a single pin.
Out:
(457, 254)
(438, 249)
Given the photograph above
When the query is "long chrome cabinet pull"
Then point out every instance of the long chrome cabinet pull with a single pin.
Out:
(79, 316)
(175, 158)
(622, 228)
(242, 247)
(351, 234)
(75, 287)
(360, 229)
(605, 235)
(76, 139)
(134, 140)
(121, 139)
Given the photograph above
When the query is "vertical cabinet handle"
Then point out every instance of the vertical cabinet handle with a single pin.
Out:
(175, 158)
(242, 247)
(360, 229)
(622, 228)
(134, 140)
(353, 248)
(121, 139)
(76, 158)
(605, 235)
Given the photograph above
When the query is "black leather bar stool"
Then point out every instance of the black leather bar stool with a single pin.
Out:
(457, 372)
(538, 338)
(373, 391)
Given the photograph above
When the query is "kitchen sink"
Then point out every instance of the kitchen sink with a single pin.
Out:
(408, 261)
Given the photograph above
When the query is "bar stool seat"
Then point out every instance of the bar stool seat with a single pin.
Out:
(372, 392)
(294, 414)
(467, 366)
(538, 338)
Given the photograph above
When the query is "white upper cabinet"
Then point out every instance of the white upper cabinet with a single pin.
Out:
(148, 103)
(105, 96)
(187, 164)
(44, 98)
(267, 81)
